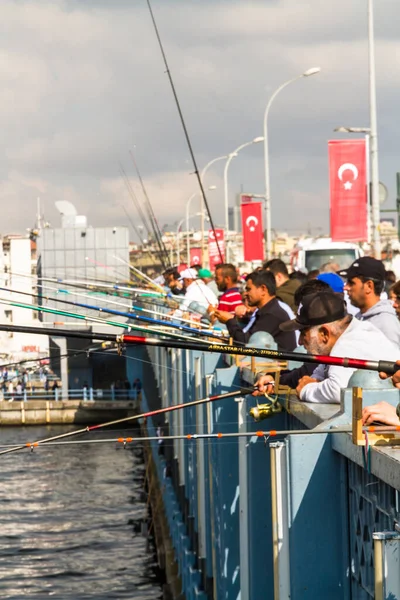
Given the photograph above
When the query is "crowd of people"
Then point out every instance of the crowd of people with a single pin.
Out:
(353, 312)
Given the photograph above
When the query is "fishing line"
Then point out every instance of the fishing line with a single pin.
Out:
(282, 390)
(128, 315)
(136, 202)
(102, 299)
(89, 319)
(196, 170)
(150, 212)
(263, 434)
(116, 271)
(385, 366)
(144, 415)
(140, 274)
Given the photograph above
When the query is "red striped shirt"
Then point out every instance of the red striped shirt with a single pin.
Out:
(230, 300)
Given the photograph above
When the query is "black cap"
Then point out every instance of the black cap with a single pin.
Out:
(317, 309)
(366, 266)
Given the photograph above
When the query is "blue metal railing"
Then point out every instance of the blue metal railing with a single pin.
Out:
(86, 395)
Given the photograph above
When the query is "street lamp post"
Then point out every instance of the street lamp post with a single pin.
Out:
(211, 187)
(187, 227)
(202, 175)
(307, 73)
(178, 247)
(232, 155)
(375, 209)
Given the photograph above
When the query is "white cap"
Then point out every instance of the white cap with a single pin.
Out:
(188, 274)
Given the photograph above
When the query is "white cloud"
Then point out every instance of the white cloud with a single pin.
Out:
(82, 83)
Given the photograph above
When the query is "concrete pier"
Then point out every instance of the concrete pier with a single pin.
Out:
(43, 412)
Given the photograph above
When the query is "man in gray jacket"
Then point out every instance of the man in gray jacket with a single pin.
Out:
(365, 283)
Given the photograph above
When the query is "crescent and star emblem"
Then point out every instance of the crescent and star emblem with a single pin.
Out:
(249, 222)
(348, 167)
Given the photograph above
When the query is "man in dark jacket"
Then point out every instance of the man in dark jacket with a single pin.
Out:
(260, 293)
(286, 287)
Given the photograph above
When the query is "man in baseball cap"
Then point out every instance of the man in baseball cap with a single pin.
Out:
(327, 329)
(365, 284)
(366, 266)
(196, 291)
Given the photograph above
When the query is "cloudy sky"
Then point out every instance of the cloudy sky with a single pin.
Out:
(82, 83)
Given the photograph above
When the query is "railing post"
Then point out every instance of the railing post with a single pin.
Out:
(25, 398)
(91, 394)
(386, 559)
(84, 394)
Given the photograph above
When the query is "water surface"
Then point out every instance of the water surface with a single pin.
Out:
(70, 521)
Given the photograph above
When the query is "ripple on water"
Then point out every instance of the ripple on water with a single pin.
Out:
(69, 519)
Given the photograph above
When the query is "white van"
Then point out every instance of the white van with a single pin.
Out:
(312, 253)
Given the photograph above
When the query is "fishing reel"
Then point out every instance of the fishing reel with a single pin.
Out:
(265, 411)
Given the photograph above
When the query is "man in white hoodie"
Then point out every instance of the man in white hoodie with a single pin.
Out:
(365, 283)
(327, 329)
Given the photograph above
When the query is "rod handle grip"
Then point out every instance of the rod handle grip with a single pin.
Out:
(388, 367)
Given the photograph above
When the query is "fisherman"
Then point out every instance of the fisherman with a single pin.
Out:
(337, 285)
(172, 280)
(327, 329)
(286, 287)
(227, 281)
(394, 295)
(206, 276)
(260, 293)
(291, 378)
(196, 291)
(365, 283)
(383, 412)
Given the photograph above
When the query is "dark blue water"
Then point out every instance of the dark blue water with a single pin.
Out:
(70, 521)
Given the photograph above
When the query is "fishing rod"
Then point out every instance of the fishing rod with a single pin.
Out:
(85, 284)
(144, 221)
(70, 354)
(178, 106)
(137, 231)
(384, 366)
(140, 274)
(145, 415)
(88, 319)
(116, 272)
(129, 315)
(134, 198)
(103, 297)
(264, 435)
(150, 212)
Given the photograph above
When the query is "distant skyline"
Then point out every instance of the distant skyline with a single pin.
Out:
(83, 83)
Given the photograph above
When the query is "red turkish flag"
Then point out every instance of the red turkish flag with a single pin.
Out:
(348, 187)
(252, 227)
(214, 257)
(195, 256)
